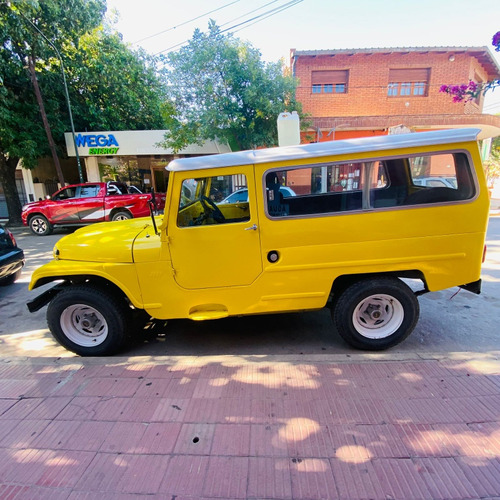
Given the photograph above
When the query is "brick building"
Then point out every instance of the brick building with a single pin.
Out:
(363, 92)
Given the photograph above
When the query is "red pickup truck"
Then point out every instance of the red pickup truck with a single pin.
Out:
(82, 204)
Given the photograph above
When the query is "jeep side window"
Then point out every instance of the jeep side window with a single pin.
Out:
(440, 178)
(212, 200)
(324, 189)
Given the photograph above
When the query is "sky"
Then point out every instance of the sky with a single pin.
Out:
(159, 25)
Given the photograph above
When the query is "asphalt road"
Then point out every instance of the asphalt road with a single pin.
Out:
(450, 322)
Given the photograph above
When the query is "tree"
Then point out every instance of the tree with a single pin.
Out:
(221, 89)
(469, 91)
(492, 164)
(111, 87)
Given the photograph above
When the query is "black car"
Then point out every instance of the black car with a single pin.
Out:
(11, 257)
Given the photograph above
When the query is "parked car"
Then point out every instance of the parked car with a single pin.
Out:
(242, 195)
(83, 204)
(348, 250)
(11, 257)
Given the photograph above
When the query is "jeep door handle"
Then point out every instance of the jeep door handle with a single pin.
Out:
(251, 228)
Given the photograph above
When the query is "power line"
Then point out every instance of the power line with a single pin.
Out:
(186, 22)
(256, 19)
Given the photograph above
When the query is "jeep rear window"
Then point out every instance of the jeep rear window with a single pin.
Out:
(368, 185)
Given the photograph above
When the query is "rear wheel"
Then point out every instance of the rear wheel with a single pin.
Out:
(121, 215)
(40, 226)
(88, 320)
(376, 314)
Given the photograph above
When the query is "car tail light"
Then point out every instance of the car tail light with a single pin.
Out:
(11, 236)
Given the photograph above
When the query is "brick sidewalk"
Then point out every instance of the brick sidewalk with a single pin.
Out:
(256, 427)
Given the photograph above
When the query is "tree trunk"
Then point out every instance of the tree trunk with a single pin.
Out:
(8, 180)
(46, 125)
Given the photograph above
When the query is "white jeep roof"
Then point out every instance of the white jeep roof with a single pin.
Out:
(321, 149)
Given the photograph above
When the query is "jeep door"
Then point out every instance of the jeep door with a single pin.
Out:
(214, 244)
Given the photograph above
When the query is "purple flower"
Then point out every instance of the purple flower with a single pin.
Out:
(496, 41)
(443, 88)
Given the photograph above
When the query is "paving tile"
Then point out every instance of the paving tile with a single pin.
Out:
(210, 388)
(312, 478)
(171, 410)
(267, 441)
(195, 439)
(63, 469)
(306, 438)
(483, 475)
(226, 477)
(20, 492)
(381, 441)
(356, 480)
(5, 405)
(160, 438)
(269, 478)
(16, 388)
(23, 434)
(122, 473)
(111, 386)
(266, 411)
(400, 478)
(425, 440)
(444, 478)
(185, 476)
(231, 439)
(6, 428)
(124, 437)
(152, 388)
(139, 410)
(79, 409)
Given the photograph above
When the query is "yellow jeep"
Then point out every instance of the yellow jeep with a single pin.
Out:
(284, 229)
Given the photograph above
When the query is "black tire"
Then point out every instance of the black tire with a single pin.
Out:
(40, 226)
(8, 280)
(89, 321)
(121, 215)
(375, 314)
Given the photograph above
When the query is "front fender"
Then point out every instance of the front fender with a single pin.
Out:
(123, 275)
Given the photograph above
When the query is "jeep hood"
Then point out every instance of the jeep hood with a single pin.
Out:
(102, 242)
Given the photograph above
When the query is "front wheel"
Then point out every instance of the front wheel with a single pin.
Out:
(375, 314)
(88, 321)
(40, 226)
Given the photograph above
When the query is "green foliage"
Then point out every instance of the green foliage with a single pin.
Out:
(111, 87)
(221, 89)
(492, 164)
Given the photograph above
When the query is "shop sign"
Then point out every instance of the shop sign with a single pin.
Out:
(98, 144)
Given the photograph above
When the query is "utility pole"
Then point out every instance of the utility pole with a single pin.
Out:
(34, 81)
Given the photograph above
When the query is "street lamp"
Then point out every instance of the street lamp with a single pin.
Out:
(67, 94)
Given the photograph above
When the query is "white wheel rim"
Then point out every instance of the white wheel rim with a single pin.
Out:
(378, 316)
(121, 217)
(84, 325)
(39, 225)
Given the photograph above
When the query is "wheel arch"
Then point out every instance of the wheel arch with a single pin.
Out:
(115, 210)
(104, 283)
(342, 282)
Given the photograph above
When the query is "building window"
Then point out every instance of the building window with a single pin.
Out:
(408, 82)
(330, 82)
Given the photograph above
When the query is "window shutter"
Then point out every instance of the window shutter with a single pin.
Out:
(333, 77)
(409, 75)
